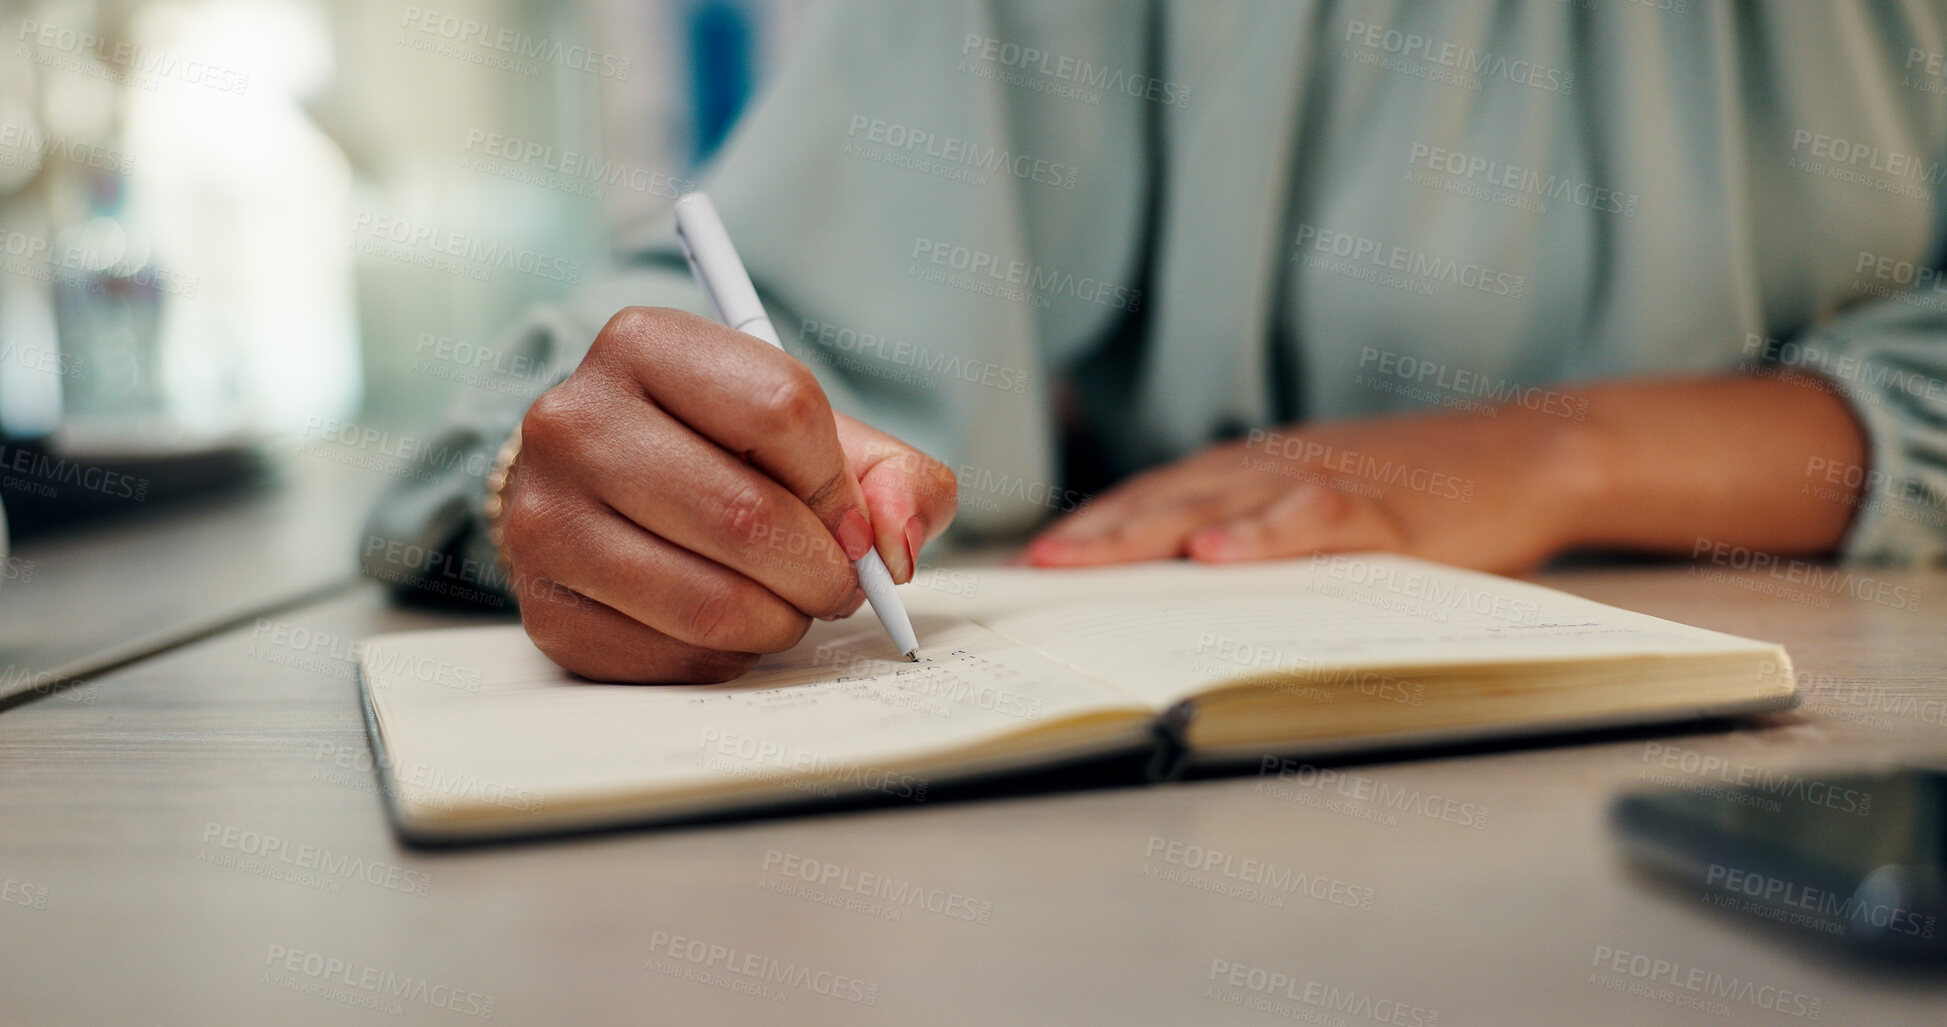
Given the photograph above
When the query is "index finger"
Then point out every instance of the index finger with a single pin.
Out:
(748, 397)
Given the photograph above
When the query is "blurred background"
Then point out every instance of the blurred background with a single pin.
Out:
(228, 226)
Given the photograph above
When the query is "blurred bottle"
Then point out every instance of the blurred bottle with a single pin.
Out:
(107, 308)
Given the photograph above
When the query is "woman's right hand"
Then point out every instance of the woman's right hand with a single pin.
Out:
(687, 499)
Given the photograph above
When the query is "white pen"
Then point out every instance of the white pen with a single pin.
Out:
(713, 260)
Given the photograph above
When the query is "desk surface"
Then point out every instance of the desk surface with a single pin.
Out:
(200, 841)
(118, 589)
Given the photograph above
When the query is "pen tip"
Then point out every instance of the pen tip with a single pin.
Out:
(913, 655)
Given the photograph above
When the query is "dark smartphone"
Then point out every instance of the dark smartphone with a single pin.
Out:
(1855, 859)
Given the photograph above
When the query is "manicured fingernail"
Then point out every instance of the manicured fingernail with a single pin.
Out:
(854, 534)
(1212, 544)
(1047, 547)
(915, 538)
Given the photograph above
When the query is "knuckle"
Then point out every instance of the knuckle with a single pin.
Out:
(885, 451)
(782, 634)
(929, 480)
(744, 517)
(633, 339)
(525, 526)
(1331, 504)
(943, 483)
(542, 520)
(626, 325)
(795, 402)
(1209, 507)
(718, 620)
(551, 420)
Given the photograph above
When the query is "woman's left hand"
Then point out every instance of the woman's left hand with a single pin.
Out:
(1498, 493)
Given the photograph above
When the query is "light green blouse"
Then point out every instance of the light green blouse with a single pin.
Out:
(1208, 215)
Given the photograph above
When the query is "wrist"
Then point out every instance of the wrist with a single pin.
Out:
(1578, 466)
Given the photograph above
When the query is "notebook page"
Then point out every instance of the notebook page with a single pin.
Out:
(1199, 626)
(479, 716)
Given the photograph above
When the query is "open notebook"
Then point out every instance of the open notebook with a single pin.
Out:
(479, 735)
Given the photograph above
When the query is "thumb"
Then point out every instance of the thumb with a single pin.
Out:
(911, 496)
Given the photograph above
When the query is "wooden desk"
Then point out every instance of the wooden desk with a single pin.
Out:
(122, 822)
(119, 589)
